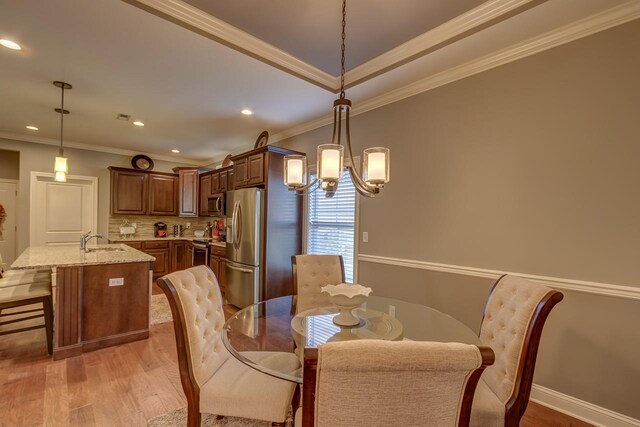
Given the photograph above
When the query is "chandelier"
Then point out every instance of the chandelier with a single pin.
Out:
(61, 168)
(330, 163)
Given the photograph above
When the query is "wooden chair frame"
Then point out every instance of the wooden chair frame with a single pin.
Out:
(311, 370)
(517, 403)
(47, 314)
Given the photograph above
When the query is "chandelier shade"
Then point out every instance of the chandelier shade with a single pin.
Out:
(330, 158)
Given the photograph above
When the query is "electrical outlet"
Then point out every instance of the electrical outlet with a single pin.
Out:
(118, 281)
(365, 236)
(392, 310)
(188, 225)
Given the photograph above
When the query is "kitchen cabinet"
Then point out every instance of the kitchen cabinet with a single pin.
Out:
(249, 171)
(212, 183)
(136, 192)
(159, 250)
(188, 181)
(163, 195)
(217, 262)
(180, 259)
(129, 192)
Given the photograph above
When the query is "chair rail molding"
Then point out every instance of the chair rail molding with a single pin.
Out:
(620, 291)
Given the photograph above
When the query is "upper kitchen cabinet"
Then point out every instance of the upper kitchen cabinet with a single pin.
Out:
(129, 192)
(143, 193)
(188, 194)
(163, 194)
(251, 169)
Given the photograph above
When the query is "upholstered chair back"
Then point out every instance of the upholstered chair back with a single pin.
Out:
(199, 303)
(510, 309)
(405, 383)
(312, 272)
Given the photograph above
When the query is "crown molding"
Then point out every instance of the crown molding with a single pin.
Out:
(99, 148)
(619, 291)
(193, 18)
(483, 16)
(615, 16)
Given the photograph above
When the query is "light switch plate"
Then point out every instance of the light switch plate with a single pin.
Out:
(365, 236)
(117, 281)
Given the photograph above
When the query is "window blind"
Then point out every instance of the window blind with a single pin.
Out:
(331, 226)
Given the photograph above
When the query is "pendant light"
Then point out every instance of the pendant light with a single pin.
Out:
(330, 160)
(61, 168)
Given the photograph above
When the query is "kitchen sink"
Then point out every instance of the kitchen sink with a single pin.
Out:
(106, 249)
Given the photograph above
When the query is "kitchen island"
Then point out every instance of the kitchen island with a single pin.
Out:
(101, 296)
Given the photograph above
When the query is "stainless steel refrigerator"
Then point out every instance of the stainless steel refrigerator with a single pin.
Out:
(244, 231)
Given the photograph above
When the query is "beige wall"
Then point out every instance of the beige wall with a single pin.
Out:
(39, 158)
(531, 167)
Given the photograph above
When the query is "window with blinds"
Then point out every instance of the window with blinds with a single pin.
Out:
(332, 223)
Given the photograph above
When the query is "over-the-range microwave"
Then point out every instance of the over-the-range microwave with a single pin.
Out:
(215, 204)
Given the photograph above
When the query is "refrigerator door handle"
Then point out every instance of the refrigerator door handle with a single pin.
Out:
(243, 270)
(239, 225)
(234, 225)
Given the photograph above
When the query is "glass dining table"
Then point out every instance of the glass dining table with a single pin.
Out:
(277, 325)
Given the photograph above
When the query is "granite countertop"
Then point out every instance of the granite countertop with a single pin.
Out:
(67, 256)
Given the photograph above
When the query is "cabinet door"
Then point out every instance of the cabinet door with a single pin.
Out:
(214, 264)
(240, 171)
(162, 265)
(179, 256)
(223, 181)
(215, 183)
(205, 192)
(163, 195)
(255, 167)
(230, 183)
(188, 198)
(128, 193)
(222, 277)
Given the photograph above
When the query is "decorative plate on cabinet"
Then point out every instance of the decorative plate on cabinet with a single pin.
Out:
(262, 139)
(142, 162)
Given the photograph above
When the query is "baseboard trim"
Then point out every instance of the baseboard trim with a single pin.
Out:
(585, 411)
(597, 288)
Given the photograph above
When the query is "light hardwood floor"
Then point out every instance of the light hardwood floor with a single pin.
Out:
(118, 386)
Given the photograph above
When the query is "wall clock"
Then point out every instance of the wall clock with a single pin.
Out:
(142, 162)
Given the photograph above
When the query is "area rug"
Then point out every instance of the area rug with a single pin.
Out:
(178, 418)
(160, 310)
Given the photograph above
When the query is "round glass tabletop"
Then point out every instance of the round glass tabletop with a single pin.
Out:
(275, 325)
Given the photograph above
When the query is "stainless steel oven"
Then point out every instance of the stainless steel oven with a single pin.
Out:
(215, 204)
(200, 253)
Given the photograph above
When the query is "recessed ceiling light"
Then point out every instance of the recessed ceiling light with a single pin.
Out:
(9, 44)
(137, 123)
(175, 151)
(247, 112)
(32, 127)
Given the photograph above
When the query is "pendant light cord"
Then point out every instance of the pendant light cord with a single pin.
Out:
(344, 24)
(62, 123)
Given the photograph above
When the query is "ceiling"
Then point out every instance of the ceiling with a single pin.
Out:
(187, 68)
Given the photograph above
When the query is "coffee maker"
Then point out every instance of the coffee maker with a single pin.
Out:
(160, 229)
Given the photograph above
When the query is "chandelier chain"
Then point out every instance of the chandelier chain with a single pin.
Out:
(344, 24)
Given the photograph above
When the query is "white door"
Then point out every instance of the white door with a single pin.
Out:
(8, 231)
(61, 212)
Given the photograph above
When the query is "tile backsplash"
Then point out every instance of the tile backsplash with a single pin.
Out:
(145, 229)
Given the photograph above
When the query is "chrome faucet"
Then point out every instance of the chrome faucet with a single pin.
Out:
(85, 238)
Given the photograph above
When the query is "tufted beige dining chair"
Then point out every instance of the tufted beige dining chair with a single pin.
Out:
(377, 383)
(213, 380)
(512, 325)
(310, 273)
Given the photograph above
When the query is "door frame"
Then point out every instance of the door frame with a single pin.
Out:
(32, 194)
